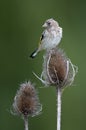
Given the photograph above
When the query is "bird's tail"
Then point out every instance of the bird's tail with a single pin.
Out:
(34, 53)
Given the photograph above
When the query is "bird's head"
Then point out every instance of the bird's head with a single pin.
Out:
(50, 23)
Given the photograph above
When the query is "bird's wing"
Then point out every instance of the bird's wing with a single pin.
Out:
(41, 38)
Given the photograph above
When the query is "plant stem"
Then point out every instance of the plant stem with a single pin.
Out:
(26, 122)
(59, 92)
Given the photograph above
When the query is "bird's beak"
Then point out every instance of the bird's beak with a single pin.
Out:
(44, 25)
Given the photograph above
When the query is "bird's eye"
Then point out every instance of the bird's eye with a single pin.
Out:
(48, 23)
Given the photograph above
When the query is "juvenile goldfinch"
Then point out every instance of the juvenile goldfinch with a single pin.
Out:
(50, 37)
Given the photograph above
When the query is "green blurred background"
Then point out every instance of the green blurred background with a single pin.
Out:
(20, 29)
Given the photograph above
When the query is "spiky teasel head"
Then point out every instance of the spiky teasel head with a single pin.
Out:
(26, 101)
(57, 69)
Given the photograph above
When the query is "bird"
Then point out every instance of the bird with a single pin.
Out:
(50, 37)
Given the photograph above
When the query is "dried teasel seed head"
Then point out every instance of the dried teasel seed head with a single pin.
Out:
(26, 101)
(57, 69)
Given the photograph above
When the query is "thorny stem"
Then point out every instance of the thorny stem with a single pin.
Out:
(26, 122)
(59, 91)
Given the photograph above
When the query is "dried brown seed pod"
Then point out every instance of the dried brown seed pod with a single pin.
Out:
(57, 69)
(26, 101)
